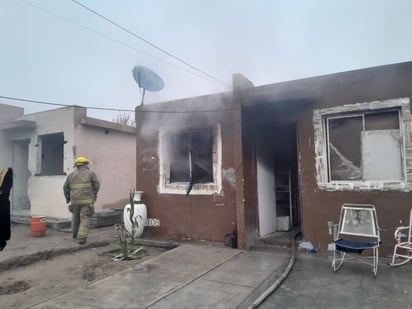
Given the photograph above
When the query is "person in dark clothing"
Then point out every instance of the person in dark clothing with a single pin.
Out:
(6, 183)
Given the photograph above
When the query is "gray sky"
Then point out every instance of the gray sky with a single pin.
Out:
(50, 50)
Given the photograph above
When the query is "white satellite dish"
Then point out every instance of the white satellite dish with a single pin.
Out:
(147, 79)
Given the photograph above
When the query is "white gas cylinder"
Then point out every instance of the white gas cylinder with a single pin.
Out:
(140, 215)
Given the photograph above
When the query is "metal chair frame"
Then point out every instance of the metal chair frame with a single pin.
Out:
(402, 253)
(359, 222)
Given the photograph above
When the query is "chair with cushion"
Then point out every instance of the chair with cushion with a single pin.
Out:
(357, 231)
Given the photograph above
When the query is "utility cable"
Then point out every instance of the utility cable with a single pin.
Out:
(66, 105)
(119, 109)
(115, 40)
(150, 43)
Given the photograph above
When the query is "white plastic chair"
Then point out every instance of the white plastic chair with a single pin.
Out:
(402, 252)
(358, 230)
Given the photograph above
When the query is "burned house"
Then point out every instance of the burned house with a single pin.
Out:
(270, 158)
(41, 148)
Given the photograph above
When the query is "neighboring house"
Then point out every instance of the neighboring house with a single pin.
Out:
(41, 148)
(264, 159)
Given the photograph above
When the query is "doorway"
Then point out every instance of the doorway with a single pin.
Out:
(277, 179)
(21, 175)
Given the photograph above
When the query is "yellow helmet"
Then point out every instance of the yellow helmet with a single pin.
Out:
(81, 161)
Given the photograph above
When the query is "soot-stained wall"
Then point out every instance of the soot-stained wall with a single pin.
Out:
(320, 204)
(207, 216)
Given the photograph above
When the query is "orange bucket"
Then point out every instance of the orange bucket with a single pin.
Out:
(38, 226)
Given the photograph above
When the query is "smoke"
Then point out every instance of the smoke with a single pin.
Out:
(174, 116)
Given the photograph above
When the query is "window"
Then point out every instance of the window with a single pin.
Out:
(364, 146)
(190, 161)
(191, 157)
(51, 154)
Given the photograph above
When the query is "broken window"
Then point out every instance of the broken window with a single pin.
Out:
(52, 154)
(190, 161)
(191, 157)
(364, 147)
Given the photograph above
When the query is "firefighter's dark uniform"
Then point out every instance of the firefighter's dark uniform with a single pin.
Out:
(80, 189)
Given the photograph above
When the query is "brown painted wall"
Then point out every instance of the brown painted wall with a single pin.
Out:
(206, 217)
(249, 183)
(210, 217)
(318, 207)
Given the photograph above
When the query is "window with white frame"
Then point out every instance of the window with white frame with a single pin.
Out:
(364, 145)
(190, 161)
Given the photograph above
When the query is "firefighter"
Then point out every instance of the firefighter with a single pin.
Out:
(80, 191)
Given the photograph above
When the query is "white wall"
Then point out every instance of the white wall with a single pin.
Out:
(113, 158)
(7, 114)
(6, 151)
(20, 198)
(46, 192)
(112, 154)
(10, 112)
(46, 196)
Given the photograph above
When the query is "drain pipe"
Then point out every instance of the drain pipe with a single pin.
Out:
(278, 282)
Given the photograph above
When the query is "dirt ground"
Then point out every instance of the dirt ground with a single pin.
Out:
(28, 279)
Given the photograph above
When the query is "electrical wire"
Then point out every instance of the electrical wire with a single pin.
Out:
(128, 46)
(66, 105)
(150, 43)
(119, 109)
(115, 40)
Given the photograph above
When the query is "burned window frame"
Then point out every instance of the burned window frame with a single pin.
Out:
(192, 157)
(321, 145)
(167, 186)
